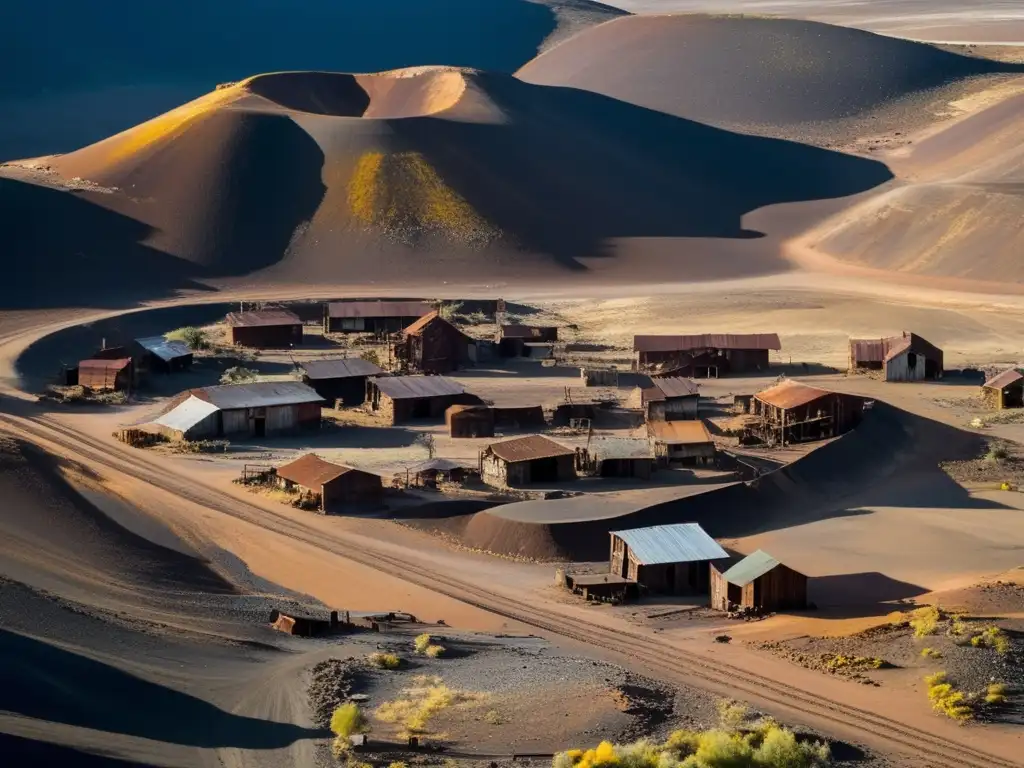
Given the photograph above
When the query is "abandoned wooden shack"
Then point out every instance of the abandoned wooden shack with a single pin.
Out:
(670, 399)
(791, 412)
(330, 486)
(907, 357)
(759, 583)
(261, 409)
(706, 355)
(433, 471)
(433, 345)
(160, 355)
(304, 626)
(372, 316)
(519, 416)
(341, 379)
(265, 328)
(515, 340)
(525, 460)
(685, 443)
(400, 399)
(1005, 390)
(599, 377)
(114, 375)
(621, 457)
(672, 559)
(469, 421)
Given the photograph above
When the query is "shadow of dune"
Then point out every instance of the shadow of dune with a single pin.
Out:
(58, 685)
(570, 170)
(63, 250)
(24, 751)
(860, 591)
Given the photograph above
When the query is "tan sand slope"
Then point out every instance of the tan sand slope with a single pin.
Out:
(769, 74)
(424, 169)
(960, 213)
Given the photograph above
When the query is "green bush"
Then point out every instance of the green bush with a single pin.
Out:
(997, 453)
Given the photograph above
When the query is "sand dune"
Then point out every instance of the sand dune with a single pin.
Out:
(769, 74)
(102, 69)
(428, 169)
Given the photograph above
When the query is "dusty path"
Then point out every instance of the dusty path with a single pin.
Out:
(929, 743)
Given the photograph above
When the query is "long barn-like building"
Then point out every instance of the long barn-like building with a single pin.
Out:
(704, 355)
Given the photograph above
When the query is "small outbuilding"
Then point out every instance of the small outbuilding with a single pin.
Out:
(1005, 390)
(759, 583)
(670, 399)
(673, 559)
(599, 377)
(372, 316)
(265, 328)
(157, 353)
(622, 457)
(260, 409)
(792, 412)
(469, 421)
(341, 379)
(400, 399)
(686, 443)
(519, 340)
(526, 460)
(113, 375)
(330, 486)
(907, 357)
(433, 345)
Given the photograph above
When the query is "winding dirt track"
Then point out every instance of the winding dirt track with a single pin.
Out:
(669, 662)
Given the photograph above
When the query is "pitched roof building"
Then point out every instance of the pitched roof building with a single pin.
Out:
(372, 316)
(265, 328)
(399, 399)
(1004, 390)
(705, 355)
(525, 460)
(665, 558)
(758, 582)
(793, 412)
(341, 379)
(906, 357)
(331, 486)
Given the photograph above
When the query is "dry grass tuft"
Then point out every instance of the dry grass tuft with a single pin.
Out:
(995, 694)
(946, 699)
(384, 660)
(931, 653)
(422, 702)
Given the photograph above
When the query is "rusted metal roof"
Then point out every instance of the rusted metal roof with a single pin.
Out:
(407, 387)
(790, 394)
(109, 366)
(310, 471)
(257, 395)
(340, 368)
(680, 543)
(706, 341)
(262, 317)
(377, 309)
(163, 348)
(679, 432)
(883, 350)
(677, 387)
(529, 448)
(1004, 379)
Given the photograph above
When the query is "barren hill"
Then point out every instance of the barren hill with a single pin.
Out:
(422, 169)
(775, 75)
(79, 72)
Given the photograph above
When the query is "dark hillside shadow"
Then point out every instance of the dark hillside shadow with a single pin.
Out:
(572, 170)
(27, 752)
(45, 682)
(865, 592)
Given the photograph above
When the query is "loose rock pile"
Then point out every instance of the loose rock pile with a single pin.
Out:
(332, 682)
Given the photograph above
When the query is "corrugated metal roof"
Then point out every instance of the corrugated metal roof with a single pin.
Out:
(679, 543)
(749, 568)
(1004, 379)
(310, 471)
(529, 448)
(340, 368)
(377, 309)
(163, 348)
(187, 414)
(790, 394)
(258, 395)
(679, 432)
(263, 317)
(406, 387)
(104, 365)
(883, 350)
(620, 448)
(677, 387)
(420, 325)
(653, 343)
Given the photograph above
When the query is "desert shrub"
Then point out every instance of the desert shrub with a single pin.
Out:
(385, 660)
(371, 356)
(995, 693)
(200, 446)
(992, 637)
(421, 642)
(837, 662)
(780, 749)
(398, 764)
(931, 653)
(447, 310)
(347, 720)
(731, 714)
(238, 374)
(958, 627)
(925, 620)
(997, 453)
(946, 699)
(196, 338)
(434, 651)
(418, 705)
(492, 717)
